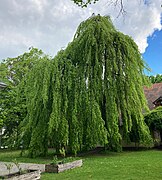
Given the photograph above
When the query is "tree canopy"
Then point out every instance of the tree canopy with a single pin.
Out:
(13, 109)
(154, 119)
(155, 79)
(91, 93)
(13, 70)
(84, 3)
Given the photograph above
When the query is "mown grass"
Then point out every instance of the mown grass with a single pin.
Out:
(9, 156)
(140, 165)
(130, 165)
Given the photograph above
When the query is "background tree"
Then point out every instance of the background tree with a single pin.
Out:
(84, 3)
(11, 114)
(91, 93)
(116, 3)
(12, 110)
(12, 70)
(155, 79)
(154, 120)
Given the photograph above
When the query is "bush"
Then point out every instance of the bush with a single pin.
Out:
(154, 119)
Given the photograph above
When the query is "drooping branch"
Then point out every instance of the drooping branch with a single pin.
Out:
(92, 93)
(119, 3)
(84, 3)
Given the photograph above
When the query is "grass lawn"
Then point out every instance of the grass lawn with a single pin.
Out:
(9, 156)
(135, 165)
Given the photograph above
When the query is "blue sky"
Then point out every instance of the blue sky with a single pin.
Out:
(153, 53)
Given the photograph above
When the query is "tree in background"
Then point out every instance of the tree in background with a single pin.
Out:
(84, 3)
(154, 120)
(12, 70)
(12, 110)
(91, 93)
(155, 79)
(11, 114)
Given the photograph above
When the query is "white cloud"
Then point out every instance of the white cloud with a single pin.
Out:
(141, 21)
(51, 24)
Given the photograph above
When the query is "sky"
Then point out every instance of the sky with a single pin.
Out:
(51, 24)
(153, 53)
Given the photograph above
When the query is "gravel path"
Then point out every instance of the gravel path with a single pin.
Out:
(4, 171)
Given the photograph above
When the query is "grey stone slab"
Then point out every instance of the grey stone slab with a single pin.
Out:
(4, 171)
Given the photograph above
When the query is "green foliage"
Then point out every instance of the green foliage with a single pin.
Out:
(112, 66)
(35, 126)
(9, 167)
(155, 79)
(84, 3)
(12, 70)
(154, 119)
(56, 161)
(12, 98)
(11, 114)
(76, 101)
(69, 159)
(62, 152)
(18, 166)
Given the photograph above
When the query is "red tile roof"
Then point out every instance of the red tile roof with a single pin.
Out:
(153, 93)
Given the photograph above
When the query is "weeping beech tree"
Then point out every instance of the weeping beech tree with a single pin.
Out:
(91, 93)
